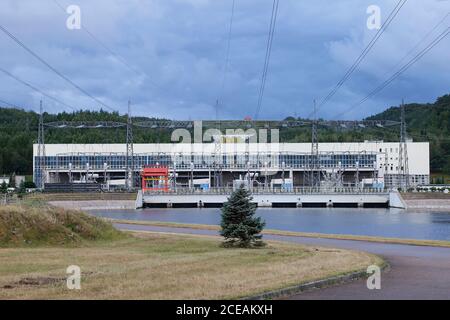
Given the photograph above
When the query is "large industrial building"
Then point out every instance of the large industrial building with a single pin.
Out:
(371, 164)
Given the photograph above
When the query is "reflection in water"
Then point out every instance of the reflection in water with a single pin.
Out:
(370, 222)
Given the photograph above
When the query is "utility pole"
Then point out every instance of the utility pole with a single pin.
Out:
(403, 169)
(40, 166)
(217, 112)
(130, 151)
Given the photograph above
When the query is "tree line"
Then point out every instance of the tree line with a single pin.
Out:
(18, 131)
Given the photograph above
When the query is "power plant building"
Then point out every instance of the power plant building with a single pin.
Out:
(372, 163)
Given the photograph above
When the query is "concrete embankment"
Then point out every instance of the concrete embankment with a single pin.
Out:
(95, 204)
(431, 204)
(88, 201)
(427, 201)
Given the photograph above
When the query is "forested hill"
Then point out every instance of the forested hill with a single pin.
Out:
(430, 118)
(427, 122)
(18, 132)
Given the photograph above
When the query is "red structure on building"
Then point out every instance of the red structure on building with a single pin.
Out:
(155, 179)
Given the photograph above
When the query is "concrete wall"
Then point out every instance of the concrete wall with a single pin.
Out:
(95, 204)
(269, 200)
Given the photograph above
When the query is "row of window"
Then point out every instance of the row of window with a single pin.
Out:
(82, 162)
(391, 180)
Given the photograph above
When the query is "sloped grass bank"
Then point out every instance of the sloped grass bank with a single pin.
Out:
(31, 226)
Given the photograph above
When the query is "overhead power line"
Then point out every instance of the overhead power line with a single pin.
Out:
(272, 26)
(417, 45)
(363, 54)
(117, 56)
(397, 74)
(21, 44)
(227, 59)
(36, 89)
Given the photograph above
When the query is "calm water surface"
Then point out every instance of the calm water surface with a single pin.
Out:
(369, 222)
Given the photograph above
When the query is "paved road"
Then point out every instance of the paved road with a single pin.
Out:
(416, 272)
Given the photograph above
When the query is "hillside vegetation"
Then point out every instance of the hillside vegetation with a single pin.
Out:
(18, 131)
(427, 122)
(29, 226)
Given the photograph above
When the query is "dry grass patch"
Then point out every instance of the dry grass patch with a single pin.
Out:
(29, 226)
(162, 266)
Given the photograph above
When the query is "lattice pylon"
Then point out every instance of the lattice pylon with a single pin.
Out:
(314, 159)
(130, 151)
(403, 168)
(40, 165)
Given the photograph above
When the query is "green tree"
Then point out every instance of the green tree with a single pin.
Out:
(19, 128)
(239, 225)
(22, 188)
(3, 187)
(29, 185)
(12, 181)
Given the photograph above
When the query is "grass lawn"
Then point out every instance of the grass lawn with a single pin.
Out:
(163, 266)
(413, 242)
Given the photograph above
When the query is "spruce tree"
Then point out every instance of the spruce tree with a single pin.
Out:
(3, 187)
(239, 225)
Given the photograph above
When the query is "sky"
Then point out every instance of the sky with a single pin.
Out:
(168, 57)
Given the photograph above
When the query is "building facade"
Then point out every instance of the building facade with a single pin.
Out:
(373, 162)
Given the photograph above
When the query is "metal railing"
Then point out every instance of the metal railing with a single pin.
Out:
(273, 191)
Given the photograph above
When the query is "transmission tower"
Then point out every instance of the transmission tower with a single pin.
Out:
(41, 150)
(332, 180)
(314, 159)
(217, 150)
(403, 169)
(357, 181)
(130, 151)
(217, 160)
(216, 109)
